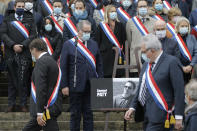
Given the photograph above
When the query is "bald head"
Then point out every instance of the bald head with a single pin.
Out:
(160, 29)
(160, 25)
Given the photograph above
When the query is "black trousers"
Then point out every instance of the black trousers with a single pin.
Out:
(32, 125)
(19, 72)
(80, 106)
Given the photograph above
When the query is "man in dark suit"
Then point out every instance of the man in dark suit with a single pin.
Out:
(167, 75)
(77, 71)
(45, 79)
(17, 33)
(169, 46)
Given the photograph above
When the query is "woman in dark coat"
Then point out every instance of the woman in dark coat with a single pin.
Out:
(105, 45)
(54, 37)
(183, 29)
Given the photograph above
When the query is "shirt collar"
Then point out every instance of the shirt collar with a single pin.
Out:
(157, 59)
(43, 53)
(16, 16)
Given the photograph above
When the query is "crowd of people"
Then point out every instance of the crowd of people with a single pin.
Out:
(80, 36)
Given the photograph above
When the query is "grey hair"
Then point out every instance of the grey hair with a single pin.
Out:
(151, 42)
(191, 89)
(178, 22)
(81, 23)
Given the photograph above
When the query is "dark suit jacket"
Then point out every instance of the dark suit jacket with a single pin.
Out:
(67, 35)
(190, 122)
(170, 47)
(84, 70)
(11, 36)
(105, 46)
(45, 76)
(165, 74)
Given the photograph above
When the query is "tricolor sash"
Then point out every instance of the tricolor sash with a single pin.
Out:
(167, 5)
(158, 96)
(183, 48)
(85, 52)
(158, 17)
(67, 2)
(49, 47)
(54, 94)
(95, 4)
(140, 25)
(48, 6)
(154, 90)
(57, 26)
(171, 28)
(110, 35)
(21, 28)
(123, 14)
(71, 26)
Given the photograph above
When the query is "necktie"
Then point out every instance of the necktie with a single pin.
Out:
(142, 97)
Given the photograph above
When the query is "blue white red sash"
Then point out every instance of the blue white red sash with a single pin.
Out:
(57, 26)
(49, 47)
(140, 26)
(68, 14)
(67, 2)
(167, 5)
(110, 35)
(171, 28)
(21, 28)
(157, 17)
(95, 4)
(101, 11)
(123, 14)
(85, 52)
(154, 90)
(183, 48)
(71, 26)
(48, 6)
(54, 94)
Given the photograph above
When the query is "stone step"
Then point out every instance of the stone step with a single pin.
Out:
(98, 125)
(17, 120)
(3, 107)
(4, 100)
(65, 116)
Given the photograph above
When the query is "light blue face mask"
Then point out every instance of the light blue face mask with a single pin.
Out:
(33, 58)
(57, 10)
(113, 15)
(126, 3)
(183, 30)
(159, 7)
(48, 27)
(86, 36)
(143, 11)
(78, 12)
(145, 58)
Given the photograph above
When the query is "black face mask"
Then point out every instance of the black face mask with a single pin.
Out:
(19, 11)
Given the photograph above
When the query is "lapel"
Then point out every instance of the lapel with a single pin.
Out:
(158, 63)
(189, 46)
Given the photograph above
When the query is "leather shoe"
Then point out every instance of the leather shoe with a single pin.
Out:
(10, 109)
(24, 109)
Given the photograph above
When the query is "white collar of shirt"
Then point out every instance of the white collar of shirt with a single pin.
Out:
(16, 16)
(42, 55)
(157, 59)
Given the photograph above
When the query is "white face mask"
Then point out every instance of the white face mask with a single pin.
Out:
(28, 5)
(160, 34)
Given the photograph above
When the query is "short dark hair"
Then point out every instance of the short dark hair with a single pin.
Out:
(57, 1)
(81, 1)
(17, 1)
(38, 44)
(140, 1)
